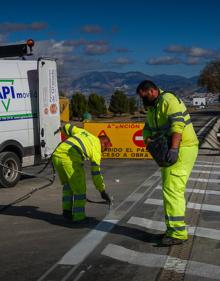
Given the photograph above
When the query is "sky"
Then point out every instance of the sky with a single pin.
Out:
(153, 37)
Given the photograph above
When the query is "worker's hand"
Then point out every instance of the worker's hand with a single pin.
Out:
(172, 155)
(105, 196)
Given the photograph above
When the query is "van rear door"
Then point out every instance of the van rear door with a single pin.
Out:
(49, 111)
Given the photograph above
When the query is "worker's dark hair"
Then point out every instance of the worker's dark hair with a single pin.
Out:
(146, 85)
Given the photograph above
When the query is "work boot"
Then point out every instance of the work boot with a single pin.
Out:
(67, 214)
(169, 241)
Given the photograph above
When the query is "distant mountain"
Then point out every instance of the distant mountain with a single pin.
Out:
(105, 83)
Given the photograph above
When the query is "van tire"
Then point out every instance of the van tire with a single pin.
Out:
(9, 178)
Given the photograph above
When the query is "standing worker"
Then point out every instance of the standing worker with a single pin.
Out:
(172, 141)
(68, 160)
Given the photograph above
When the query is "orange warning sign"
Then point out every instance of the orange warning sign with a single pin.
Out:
(126, 139)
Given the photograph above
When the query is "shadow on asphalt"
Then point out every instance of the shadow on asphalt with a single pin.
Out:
(90, 222)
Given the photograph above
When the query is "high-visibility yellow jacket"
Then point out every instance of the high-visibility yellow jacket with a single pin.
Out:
(167, 116)
(88, 146)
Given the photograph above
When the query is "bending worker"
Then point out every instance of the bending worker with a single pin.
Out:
(68, 160)
(168, 119)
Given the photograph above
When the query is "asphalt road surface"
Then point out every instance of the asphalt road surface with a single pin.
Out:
(121, 243)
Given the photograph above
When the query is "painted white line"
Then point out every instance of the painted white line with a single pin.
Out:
(205, 232)
(206, 166)
(151, 224)
(47, 272)
(175, 264)
(161, 261)
(195, 190)
(206, 172)
(206, 125)
(152, 201)
(204, 207)
(208, 271)
(190, 205)
(207, 162)
(159, 225)
(204, 180)
(202, 172)
(122, 254)
(81, 250)
(78, 276)
(134, 197)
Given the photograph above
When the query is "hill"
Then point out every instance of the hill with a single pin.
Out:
(105, 83)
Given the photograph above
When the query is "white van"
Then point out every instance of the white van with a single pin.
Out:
(29, 113)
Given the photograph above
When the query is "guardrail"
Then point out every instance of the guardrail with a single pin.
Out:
(212, 138)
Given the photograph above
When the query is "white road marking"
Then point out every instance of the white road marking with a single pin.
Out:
(206, 172)
(81, 250)
(159, 225)
(134, 197)
(204, 207)
(190, 205)
(78, 276)
(196, 190)
(123, 254)
(146, 223)
(206, 166)
(206, 125)
(208, 271)
(204, 180)
(201, 172)
(207, 162)
(175, 264)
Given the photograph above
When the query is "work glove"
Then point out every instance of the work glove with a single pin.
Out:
(105, 196)
(172, 155)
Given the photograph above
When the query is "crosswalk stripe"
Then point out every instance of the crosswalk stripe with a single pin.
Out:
(204, 207)
(207, 166)
(204, 180)
(206, 172)
(207, 162)
(81, 250)
(196, 190)
(201, 172)
(190, 205)
(161, 261)
(159, 225)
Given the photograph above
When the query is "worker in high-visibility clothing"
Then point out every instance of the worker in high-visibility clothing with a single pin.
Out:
(68, 159)
(167, 116)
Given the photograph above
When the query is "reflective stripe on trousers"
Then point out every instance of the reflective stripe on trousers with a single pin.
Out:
(67, 197)
(72, 176)
(174, 179)
(74, 203)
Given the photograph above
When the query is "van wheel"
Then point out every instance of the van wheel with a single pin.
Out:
(9, 177)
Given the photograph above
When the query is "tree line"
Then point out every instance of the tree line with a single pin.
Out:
(96, 105)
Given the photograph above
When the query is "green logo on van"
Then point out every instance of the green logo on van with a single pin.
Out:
(9, 93)
(4, 103)
(6, 106)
